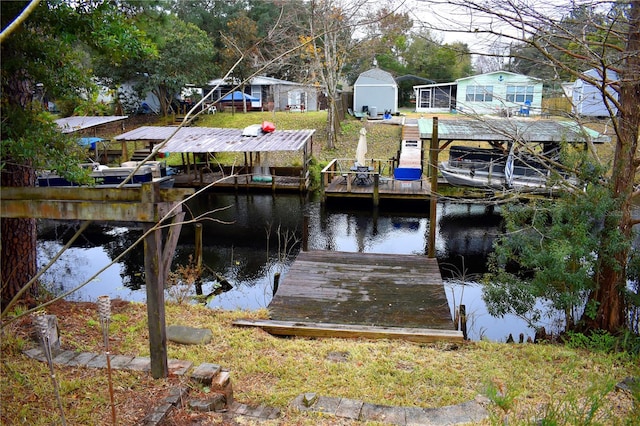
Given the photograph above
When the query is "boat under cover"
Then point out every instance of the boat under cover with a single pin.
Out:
(111, 177)
(493, 169)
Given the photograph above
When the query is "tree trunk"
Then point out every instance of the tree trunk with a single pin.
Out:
(332, 136)
(19, 238)
(612, 279)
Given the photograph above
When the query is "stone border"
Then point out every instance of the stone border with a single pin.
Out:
(467, 412)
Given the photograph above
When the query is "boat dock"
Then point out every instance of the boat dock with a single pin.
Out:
(339, 294)
(381, 179)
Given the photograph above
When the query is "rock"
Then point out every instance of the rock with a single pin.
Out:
(629, 384)
(189, 335)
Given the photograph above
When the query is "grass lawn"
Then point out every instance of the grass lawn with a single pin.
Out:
(550, 383)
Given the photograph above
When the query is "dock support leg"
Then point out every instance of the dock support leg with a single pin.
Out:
(433, 170)
(376, 190)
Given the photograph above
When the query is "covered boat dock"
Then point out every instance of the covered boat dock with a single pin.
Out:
(200, 167)
(500, 131)
(531, 136)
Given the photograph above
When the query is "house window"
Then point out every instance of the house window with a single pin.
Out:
(520, 94)
(479, 93)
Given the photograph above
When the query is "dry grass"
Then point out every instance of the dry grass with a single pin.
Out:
(535, 381)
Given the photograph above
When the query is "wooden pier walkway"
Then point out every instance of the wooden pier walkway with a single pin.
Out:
(338, 294)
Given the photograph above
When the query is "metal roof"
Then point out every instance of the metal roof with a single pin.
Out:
(74, 124)
(487, 129)
(210, 139)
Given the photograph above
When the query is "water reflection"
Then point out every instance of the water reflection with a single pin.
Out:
(249, 238)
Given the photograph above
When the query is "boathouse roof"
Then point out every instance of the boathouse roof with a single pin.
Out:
(75, 124)
(211, 139)
(488, 129)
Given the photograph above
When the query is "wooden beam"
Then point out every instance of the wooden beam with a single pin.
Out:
(170, 244)
(154, 273)
(144, 204)
(310, 329)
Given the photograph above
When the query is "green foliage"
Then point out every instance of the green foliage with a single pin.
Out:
(427, 57)
(500, 396)
(185, 56)
(552, 251)
(30, 137)
(580, 408)
(598, 340)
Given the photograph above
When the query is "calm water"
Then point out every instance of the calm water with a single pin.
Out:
(250, 238)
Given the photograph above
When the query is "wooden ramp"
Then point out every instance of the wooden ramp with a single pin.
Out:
(338, 294)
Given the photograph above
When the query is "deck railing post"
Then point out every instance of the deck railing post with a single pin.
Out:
(376, 190)
(433, 170)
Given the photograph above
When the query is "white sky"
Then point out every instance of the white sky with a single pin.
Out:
(457, 23)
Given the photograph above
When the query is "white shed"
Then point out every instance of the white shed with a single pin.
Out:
(375, 91)
(587, 98)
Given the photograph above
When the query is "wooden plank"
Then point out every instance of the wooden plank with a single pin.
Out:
(145, 204)
(310, 329)
(53, 193)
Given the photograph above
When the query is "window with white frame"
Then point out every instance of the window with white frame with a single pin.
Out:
(520, 94)
(479, 93)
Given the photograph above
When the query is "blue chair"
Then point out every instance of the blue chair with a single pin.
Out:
(524, 109)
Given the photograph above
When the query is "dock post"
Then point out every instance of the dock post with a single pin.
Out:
(463, 321)
(305, 232)
(272, 172)
(376, 190)
(198, 245)
(276, 283)
(433, 171)
(198, 257)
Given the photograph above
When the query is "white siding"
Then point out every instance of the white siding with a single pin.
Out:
(490, 94)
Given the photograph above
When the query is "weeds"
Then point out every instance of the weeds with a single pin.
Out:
(181, 283)
(586, 409)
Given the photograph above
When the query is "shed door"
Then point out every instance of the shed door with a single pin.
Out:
(256, 92)
(424, 99)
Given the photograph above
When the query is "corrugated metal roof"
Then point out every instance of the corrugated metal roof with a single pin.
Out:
(210, 139)
(505, 129)
(74, 124)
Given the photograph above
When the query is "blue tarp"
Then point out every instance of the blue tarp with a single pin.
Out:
(89, 142)
(237, 96)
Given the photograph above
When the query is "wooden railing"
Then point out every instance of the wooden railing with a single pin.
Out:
(346, 167)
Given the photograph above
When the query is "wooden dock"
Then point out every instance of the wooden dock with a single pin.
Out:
(338, 294)
(339, 180)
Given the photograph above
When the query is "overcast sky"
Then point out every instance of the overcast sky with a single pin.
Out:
(456, 23)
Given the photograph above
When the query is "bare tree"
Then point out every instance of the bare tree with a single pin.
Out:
(332, 26)
(605, 38)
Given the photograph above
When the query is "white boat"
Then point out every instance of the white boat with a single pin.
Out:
(495, 170)
(111, 177)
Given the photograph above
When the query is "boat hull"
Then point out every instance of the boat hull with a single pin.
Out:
(112, 177)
